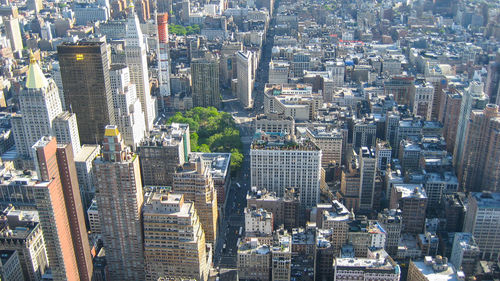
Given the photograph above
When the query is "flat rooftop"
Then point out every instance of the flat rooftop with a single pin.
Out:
(487, 199)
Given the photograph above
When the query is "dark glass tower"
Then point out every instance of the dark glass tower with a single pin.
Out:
(87, 88)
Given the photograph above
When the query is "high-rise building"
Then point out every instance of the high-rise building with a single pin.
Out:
(337, 219)
(119, 197)
(391, 130)
(84, 162)
(254, 260)
(274, 123)
(281, 257)
(465, 253)
(35, 5)
(205, 77)
(278, 72)
(174, 241)
(412, 200)
(430, 269)
(379, 268)
(451, 113)
(364, 234)
(220, 169)
(143, 10)
(350, 184)
(423, 99)
(245, 82)
(472, 98)
(87, 89)
(330, 143)
(10, 266)
(136, 58)
(127, 106)
(162, 152)
(66, 171)
(481, 220)
(481, 167)
(56, 75)
(164, 6)
(258, 222)
(74, 207)
(66, 130)
(402, 88)
(22, 232)
(14, 33)
(364, 133)
(93, 215)
(492, 87)
(194, 180)
(40, 104)
(164, 57)
(383, 154)
(286, 210)
(368, 168)
(54, 215)
(392, 223)
(276, 164)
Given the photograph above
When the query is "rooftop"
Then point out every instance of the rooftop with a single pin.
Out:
(35, 78)
(218, 163)
(410, 190)
(368, 264)
(437, 269)
(253, 246)
(487, 199)
(278, 141)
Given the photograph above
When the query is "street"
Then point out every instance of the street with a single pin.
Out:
(225, 257)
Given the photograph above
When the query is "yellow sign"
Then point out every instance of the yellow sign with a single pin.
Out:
(79, 56)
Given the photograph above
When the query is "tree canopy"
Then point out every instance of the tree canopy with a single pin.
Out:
(184, 30)
(212, 131)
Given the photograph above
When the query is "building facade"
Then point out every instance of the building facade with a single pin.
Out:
(87, 88)
(194, 180)
(174, 241)
(119, 198)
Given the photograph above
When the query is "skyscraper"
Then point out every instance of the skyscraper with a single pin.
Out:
(164, 57)
(194, 180)
(135, 52)
(87, 89)
(74, 208)
(54, 219)
(14, 33)
(368, 167)
(40, 105)
(244, 72)
(22, 232)
(119, 197)
(472, 98)
(66, 130)
(174, 241)
(492, 87)
(481, 165)
(481, 220)
(129, 116)
(276, 164)
(162, 152)
(205, 77)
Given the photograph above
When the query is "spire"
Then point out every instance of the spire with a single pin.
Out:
(131, 6)
(35, 78)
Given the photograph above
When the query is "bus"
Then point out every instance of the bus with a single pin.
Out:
(241, 231)
(238, 185)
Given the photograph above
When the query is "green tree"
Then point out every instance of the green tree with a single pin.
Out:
(204, 148)
(212, 131)
(236, 160)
